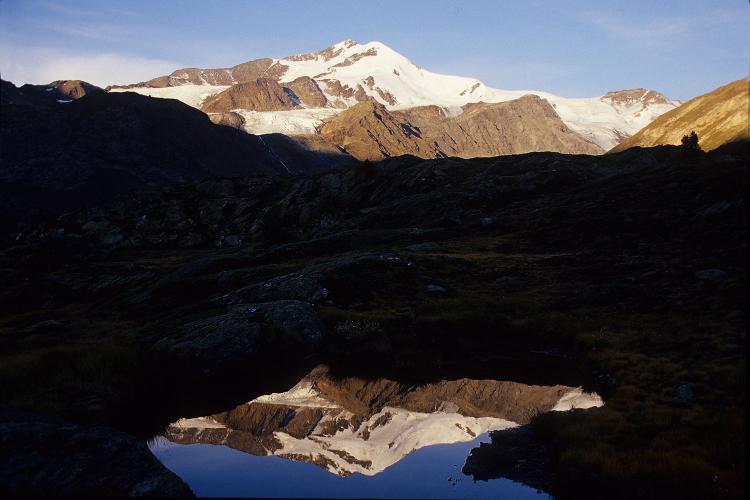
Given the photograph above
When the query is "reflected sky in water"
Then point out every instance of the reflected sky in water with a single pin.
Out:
(214, 470)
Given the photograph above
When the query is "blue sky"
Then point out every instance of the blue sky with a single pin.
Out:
(570, 48)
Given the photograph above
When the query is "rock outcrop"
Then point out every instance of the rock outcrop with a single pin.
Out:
(640, 96)
(228, 119)
(369, 131)
(519, 126)
(308, 92)
(245, 72)
(46, 456)
(57, 92)
(718, 117)
(223, 341)
(73, 89)
(259, 95)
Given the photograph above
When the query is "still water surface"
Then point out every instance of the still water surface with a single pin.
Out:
(329, 437)
(431, 472)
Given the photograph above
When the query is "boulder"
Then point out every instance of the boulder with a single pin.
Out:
(237, 336)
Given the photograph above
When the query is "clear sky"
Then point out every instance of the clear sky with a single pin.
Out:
(571, 48)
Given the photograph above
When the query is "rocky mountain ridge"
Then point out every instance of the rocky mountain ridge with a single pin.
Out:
(57, 92)
(368, 131)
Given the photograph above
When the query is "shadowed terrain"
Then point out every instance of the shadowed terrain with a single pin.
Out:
(63, 156)
(625, 272)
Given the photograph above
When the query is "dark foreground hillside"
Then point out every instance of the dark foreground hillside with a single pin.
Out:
(632, 267)
(67, 154)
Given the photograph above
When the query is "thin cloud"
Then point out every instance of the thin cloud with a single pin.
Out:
(43, 65)
(100, 11)
(649, 31)
(92, 32)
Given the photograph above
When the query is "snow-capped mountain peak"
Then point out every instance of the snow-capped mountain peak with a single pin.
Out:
(349, 72)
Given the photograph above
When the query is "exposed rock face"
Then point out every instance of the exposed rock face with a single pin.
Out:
(369, 131)
(476, 398)
(245, 72)
(384, 94)
(259, 95)
(73, 89)
(308, 92)
(719, 117)
(520, 126)
(644, 97)
(356, 57)
(259, 68)
(326, 54)
(228, 119)
(45, 456)
(337, 89)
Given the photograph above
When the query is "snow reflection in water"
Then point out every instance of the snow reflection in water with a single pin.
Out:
(354, 437)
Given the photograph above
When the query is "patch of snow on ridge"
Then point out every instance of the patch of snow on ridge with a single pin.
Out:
(192, 95)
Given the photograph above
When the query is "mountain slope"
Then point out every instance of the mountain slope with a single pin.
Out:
(718, 117)
(245, 72)
(522, 125)
(259, 95)
(369, 131)
(57, 92)
(57, 157)
(348, 73)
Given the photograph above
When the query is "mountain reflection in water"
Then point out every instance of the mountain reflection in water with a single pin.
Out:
(354, 426)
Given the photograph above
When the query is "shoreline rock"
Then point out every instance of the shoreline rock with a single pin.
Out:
(44, 455)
